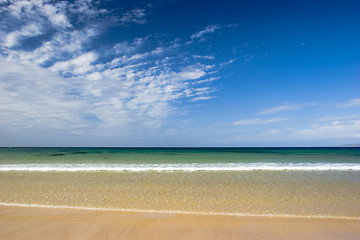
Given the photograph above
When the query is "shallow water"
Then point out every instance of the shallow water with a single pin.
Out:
(178, 155)
(330, 192)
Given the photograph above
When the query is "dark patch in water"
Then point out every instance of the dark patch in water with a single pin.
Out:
(80, 152)
(167, 153)
(56, 154)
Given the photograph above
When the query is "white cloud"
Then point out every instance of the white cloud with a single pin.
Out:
(12, 39)
(336, 122)
(257, 121)
(31, 96)
(195, 99)
(336, 129)
(203, 56)
(56, 14)
(324, 133)
(211, 79)
(66, 78)
(227, 62)
(337, 118)
(126, 48)
(351, 103)
(136, 15)
(77, 66)
(189, 73)
(208, 29)
(57, 38)
(63, 46)
(289, 106)
(40, 11)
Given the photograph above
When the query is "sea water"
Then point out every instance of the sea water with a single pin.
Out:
(293, 182)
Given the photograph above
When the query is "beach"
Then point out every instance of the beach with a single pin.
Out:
(94, 193)
(179, 120)
(47, 223)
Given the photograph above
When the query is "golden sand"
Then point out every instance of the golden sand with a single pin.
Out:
(250, 193)
(45, 223)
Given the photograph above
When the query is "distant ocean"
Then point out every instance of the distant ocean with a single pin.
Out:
(289, 182)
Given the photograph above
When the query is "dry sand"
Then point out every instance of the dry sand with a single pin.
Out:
(45, 223)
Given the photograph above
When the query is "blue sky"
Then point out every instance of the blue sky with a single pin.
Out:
(179, 73)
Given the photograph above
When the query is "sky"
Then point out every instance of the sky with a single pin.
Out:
(179, 73)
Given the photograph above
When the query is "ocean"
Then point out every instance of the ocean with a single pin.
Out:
(285, 182)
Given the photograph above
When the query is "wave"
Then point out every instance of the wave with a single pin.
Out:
(189, 167)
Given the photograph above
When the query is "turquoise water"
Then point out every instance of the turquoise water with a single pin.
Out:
(178, 155)
(300, 182)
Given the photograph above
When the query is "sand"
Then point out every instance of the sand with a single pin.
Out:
(46, 223)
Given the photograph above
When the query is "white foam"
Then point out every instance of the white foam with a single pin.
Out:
(183, 167)
(178, 211)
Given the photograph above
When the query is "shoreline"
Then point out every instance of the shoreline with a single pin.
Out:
(179, 212)
(19, 222)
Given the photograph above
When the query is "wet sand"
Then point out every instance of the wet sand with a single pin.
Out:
(251, 193)
(46, 223)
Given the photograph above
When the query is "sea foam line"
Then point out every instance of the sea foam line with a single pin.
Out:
(190, 167)
(178, 212)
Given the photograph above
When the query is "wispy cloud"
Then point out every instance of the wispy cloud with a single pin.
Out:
(200, 36)
(351, 103)
(203, 56)
(258, 121)
(208, 29)
(337, 118)
(56, 14)
(32, 96)
(12, 39)
(285, 107)
(331, 130)
(67, 81)
(195, 99)
(336, 129)
(77, 66)
(136, 15)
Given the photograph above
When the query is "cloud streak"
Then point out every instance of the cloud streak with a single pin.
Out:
(136, 15)
(351, 103)
(333, 130)
(285, 107)
(258, 121)
(207, 30)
